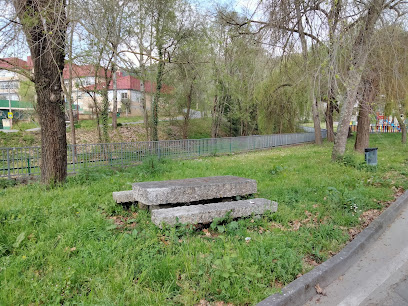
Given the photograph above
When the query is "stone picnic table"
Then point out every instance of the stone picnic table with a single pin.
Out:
(196, 200)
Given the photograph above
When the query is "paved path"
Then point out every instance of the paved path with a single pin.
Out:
(380, 277)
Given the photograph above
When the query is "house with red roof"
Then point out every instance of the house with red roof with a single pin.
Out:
(129, 95)
(86, 84)
(10, 79)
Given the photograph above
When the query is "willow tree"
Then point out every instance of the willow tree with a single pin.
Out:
(360, 48)
(283, 98)
(44, 25)
(392, 62)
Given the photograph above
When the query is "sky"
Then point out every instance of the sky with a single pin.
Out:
(247, 7)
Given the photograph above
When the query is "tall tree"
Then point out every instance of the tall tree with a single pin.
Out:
(369, 88)
(44, 25)
(358, 57)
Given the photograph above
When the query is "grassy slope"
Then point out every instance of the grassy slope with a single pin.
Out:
(72, 244)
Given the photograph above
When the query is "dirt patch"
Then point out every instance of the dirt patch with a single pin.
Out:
(126, 133)
(369, 216)
(124, 223)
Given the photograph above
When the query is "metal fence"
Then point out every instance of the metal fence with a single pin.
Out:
(25, 161)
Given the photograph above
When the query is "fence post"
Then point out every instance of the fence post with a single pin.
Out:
(28, 166)
(8, 164)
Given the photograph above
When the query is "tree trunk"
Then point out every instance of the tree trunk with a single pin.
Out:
(404, 133)
(47, 40)
(316, 121)
(329, 120)
(105, 106)
(403, 129)
(369, 87)
(359, 55)
(69, 98)
(98, 120)
(363, 126)
(115, 95)
(159, 80)
(214, 118)
(143, 91)
(336, 7)
(187, 114)
(315, 108)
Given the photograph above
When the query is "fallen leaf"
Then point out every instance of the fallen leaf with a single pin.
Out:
(296, 225)
(207, 233)
(163, 239)
(319, 290)
(203, 303)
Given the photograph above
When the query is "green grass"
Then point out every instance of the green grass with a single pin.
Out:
(90, 124)
(322, 124)
(19, 139)
(200, 128)
(24, 125)
(72, 244)
(124, 119)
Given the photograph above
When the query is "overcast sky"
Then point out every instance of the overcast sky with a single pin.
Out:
(244, 6)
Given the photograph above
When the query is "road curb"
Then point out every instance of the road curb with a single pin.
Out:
(303, 289)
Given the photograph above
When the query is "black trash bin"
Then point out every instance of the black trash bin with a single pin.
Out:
(371, 156)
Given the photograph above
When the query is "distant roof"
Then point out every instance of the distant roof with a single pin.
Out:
(83, 71)
(124, 82)
(128, 82)
(14, 62)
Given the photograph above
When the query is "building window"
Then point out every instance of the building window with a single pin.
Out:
(8, 85)
(124, 95)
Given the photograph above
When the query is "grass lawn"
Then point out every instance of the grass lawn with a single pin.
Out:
(23, 125)
(91, 123)
(322, 124)
(73, 244)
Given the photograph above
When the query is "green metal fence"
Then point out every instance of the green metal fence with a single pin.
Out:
(26, 161)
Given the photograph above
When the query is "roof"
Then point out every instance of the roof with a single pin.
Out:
(78, 70)
(14, 62)
(124, 82)
(83, 71)
(128, 83)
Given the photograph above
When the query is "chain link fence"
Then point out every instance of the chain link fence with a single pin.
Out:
(26, 161)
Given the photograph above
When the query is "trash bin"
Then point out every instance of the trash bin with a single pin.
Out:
(371, 156)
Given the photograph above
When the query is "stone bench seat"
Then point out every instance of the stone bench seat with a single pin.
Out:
(192, 190)
(123, 196)
(206, 213)
(187, 190)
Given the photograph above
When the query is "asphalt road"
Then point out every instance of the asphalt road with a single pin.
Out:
(380, 277)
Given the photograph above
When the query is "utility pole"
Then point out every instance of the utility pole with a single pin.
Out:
(9, 98)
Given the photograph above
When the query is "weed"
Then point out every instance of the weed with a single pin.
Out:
(5, 183)
(276, 169)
